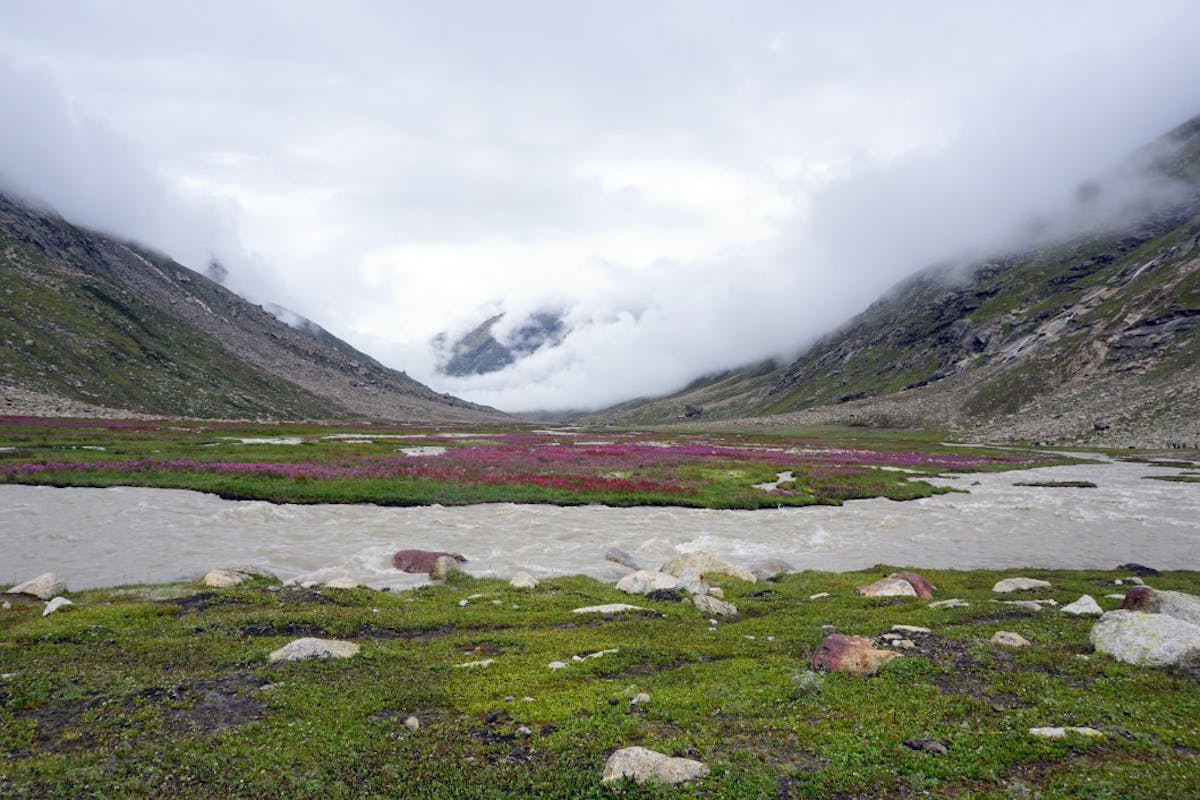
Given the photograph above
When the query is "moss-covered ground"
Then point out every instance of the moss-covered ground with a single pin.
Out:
(166, 691)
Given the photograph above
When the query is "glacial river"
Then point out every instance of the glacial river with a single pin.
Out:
(104, 537)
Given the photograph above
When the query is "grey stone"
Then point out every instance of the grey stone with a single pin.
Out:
(711, 605)
(692, 581)
(1176, 604)
(1083, 606)
(342, 582)
(639, 699)
(705, 564)
(645, 581)
(443, 566)
(644, 765)
(771, 569)
(1009, 639)
(523, 580)
(1145, 639)
(619, 556)
(308, 647)
(888, 587)
(43, 587)
(412, 723)
(1020, 585)
(953, 602)
(224, 578)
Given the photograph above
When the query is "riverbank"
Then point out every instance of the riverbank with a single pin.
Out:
(475, 688)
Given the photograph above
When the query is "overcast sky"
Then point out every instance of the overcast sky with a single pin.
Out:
(696, 185)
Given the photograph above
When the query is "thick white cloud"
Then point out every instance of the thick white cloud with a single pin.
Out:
(696, 184)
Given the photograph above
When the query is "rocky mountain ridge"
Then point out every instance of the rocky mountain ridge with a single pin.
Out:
(88, 319)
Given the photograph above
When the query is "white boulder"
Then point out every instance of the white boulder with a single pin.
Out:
(43, 587)
(1020, 585)
(643, 765)
(300, 649)
(55, 605)
(1083, 606)
(1153, 640)
(644, 581)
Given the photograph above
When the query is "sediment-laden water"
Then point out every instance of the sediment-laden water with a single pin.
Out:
(104, 537)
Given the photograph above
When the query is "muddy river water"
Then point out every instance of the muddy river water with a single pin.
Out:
(104, 537)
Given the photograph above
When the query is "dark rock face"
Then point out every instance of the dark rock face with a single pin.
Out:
(421, 560)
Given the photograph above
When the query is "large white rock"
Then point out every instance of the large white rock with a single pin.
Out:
(1084, 605)
(1020, 585)
(342, 582)
(1153, 640)
(301, 649)
(711, 605)
(643, 765)
(644, 581)
(43, 587)
(706, 563)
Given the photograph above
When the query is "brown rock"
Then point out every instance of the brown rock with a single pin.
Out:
(1137, 598)
(421, 560)
(854, 654)
(923, 587)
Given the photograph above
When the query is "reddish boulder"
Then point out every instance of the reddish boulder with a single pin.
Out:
(421, 560)
(924, 588)
(1138, 598)
(854, 654)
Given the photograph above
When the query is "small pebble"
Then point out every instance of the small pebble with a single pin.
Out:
(556, 665)
(639, 698)
(462, 603)
(819, 595)
(413, 724)
(524, 731)
(510, 699)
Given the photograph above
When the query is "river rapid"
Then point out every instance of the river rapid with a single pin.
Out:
(107, 537)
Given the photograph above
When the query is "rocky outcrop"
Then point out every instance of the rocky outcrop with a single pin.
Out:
(642, 765)
(225, 577)
(856, 655)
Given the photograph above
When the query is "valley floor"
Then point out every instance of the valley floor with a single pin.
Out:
(474, 688)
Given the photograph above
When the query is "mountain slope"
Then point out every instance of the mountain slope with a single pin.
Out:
(1096, 338)
(92, 319)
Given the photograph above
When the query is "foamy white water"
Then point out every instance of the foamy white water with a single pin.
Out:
(104, 537)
